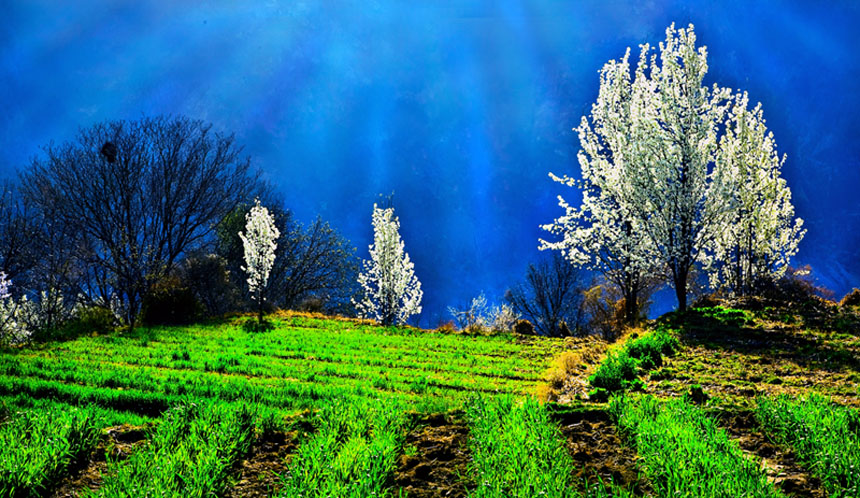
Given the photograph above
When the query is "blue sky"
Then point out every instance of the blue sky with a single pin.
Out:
(459, 108)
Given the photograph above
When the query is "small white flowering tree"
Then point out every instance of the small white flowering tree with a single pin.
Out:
(259, 241)
(392, 292)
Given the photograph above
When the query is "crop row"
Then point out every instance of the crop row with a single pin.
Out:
(352, 453)
(339, 341)
(685, 454)
(37, 447)
(113, 374)
(516, 449)
(824, 435)
(191, 453)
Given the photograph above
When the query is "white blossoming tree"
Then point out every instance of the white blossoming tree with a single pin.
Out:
(602, 233)
(656, 188)
(259, 244)
(392, 292)
(763, 233)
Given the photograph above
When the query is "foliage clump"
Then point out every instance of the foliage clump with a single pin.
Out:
(169, 302)
(620, 369)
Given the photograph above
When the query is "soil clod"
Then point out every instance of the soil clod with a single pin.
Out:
(434, 464)
(598, 451)
(260, 472)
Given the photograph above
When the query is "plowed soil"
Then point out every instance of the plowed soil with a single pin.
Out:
(437, 466)
(779, 463)
(119, 442)
(599, 452)
(260, 472)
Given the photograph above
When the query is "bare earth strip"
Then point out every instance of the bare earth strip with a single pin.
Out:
(598, 451)
(437, 468)
(779, 463)
(119, 443)
(260, 472)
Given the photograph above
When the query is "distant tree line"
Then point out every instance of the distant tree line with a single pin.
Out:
(142, 217)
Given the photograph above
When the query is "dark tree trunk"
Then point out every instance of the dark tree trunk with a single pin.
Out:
(630, 307)
(680, 279)
(260, 308)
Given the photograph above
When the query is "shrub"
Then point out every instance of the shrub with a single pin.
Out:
(502, 318)
(447, 327)
(207, 277)
(524, 327)
(796, 286)
(88, 319)
(697, 395)
(170, 303)
(616, 371)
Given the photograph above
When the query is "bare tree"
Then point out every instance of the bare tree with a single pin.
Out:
(140, 194)
(18, 242)
(312, 262)
(551, 296)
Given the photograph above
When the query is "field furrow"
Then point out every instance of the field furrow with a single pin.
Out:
(435, 459)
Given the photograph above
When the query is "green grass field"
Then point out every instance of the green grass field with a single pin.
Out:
(320, 407)
(304, 363)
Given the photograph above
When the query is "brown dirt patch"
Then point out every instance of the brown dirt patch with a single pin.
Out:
(440, 458)
(598, 451)
(779, 463)
(118, 442)
(260, 472)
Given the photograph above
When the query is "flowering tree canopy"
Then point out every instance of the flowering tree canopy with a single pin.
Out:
(604, 234)
(392, 292)
(657, 185)
(259, 243)
(762, 233)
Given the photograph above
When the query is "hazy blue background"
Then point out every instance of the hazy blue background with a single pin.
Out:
(460, 108)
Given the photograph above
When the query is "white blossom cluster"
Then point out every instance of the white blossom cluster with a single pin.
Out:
(674, 174)
(259, 242)
(479, 316)
(392, 292)
(14, 328)
(762, 232)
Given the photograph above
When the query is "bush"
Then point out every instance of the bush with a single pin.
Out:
(604, 314)
(88, 319)
(616, 371)
(524, 327)
(447, 327)
(170, 303)
(796, 286)
(206, 276)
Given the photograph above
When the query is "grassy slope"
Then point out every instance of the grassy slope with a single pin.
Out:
(303, 363)
(738, 355)
(310, 362)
